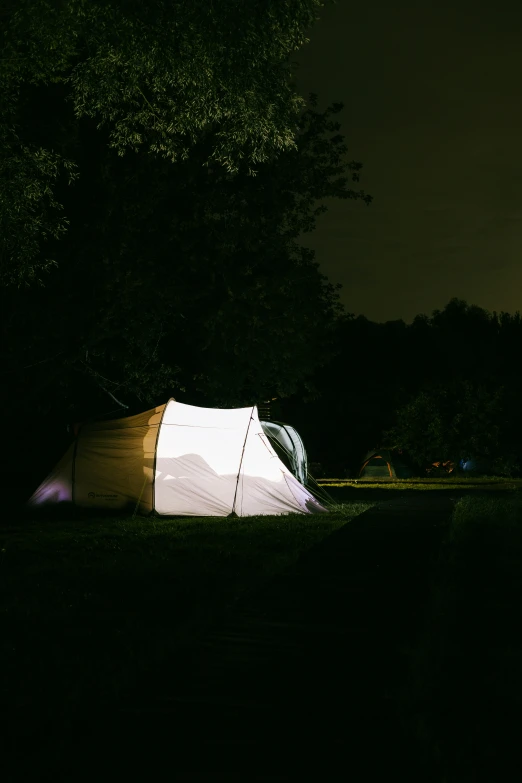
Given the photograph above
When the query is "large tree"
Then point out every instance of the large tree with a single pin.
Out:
(177, 276)
(158, 75)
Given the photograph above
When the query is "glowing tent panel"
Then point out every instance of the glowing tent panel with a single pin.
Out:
(197, 459)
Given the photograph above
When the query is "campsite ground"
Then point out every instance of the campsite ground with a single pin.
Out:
(110, 624)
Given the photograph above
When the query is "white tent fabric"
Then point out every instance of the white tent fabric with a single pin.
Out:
(292, 444)
(178, 460)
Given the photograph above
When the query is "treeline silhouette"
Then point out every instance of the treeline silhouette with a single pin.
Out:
(450, 381)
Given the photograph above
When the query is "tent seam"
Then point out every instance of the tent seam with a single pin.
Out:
(241, 460)
(160, 423)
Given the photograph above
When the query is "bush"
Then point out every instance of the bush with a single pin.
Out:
(509, 466)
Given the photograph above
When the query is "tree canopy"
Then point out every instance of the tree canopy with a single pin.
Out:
(158, 76)
(176, 277)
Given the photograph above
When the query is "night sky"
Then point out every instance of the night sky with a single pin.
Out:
(433, 109)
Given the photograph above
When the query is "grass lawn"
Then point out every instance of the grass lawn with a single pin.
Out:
(377, 489)
(466, 676)
(89, 605)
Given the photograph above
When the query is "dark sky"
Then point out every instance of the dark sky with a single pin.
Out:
(433, 109)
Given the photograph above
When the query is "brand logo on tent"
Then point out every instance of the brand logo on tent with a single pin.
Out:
(104, 495)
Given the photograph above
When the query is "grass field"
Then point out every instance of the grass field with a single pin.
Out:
(466, 673)
(90, 605)
(87, 604)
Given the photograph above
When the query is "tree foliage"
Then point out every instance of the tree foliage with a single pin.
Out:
(452, 421)
(177, 277)
(29, 211)
(158, 76)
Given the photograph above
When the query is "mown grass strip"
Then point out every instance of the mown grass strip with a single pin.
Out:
(454, 484)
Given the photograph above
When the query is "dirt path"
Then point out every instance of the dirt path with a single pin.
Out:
(301, 682)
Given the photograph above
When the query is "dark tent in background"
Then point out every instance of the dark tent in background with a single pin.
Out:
(384, 463)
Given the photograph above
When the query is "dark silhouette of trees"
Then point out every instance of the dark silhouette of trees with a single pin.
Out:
(452, 421)
(443, 387)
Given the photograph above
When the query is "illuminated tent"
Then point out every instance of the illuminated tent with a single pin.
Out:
(288, 440)
(384, 463)
(177, 460)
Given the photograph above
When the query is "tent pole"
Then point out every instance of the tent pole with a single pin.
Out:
(139, 499)
(241, 460)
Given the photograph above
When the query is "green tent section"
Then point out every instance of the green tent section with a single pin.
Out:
(384, 463)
